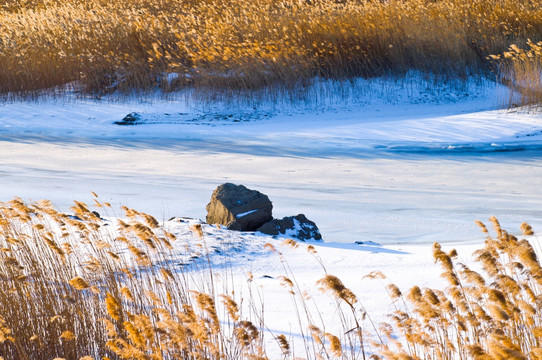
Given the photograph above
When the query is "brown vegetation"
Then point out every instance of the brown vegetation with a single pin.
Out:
(68, 289)
(102, 46)
(73, 287)
(521, 70)
(493, 313)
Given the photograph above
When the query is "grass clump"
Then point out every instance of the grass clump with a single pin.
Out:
(101, 46)
(521, 70)
(493, 313)
(491, 310)
(79, 287)
(72, 287)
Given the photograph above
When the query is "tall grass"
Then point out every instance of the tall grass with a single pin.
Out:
(79, 287)
(101, 46)
(521, 70)
(73, 288)
(493, 313)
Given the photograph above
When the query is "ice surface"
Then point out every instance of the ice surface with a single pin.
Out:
(389, 163)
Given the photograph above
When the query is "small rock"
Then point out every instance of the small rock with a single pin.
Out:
(370, 243)
(239, 208)
(130, 119)
(298, 227)
(184, 219)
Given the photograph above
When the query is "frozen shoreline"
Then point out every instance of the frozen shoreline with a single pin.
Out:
(390, 164)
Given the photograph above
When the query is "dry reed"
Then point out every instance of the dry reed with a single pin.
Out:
(103, 46)
(490, 315)
(86, 304)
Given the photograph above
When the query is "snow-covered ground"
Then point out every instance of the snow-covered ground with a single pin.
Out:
(398, 165)
(385, 161)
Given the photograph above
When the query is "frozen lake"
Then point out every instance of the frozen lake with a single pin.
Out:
(389, 172)
(388, 199)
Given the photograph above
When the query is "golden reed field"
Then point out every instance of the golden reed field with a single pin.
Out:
(102, 46)
(75, 287)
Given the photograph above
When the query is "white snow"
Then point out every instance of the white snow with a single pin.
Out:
(382, 163)
(387, 162)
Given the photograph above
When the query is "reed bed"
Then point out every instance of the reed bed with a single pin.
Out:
(103, 46)
(492, 313)
(71, 287)
(521, 70)
(80, 287)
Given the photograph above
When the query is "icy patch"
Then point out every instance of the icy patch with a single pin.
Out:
(196, 118)
(455, 149)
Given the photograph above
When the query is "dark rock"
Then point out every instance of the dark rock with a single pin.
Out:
(370, 243)
(183, 219)
(298, 227)
(130, 119)
(239, 208)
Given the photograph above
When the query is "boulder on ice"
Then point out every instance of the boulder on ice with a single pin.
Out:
(239, 208)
